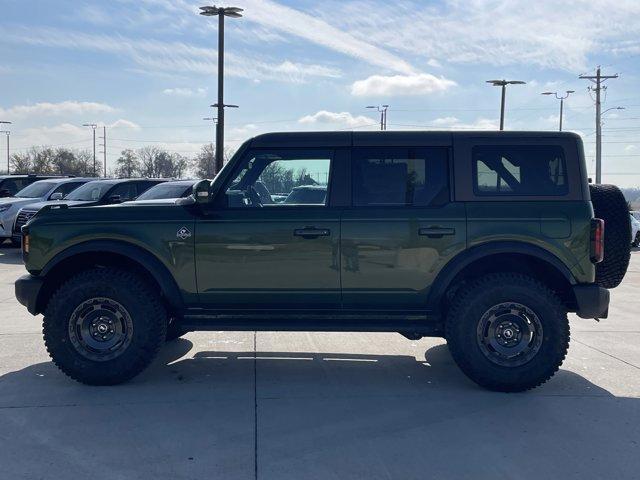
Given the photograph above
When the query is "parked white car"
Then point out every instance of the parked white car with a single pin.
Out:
(635, 230)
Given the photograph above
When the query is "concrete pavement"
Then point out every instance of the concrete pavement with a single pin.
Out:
(320, 406)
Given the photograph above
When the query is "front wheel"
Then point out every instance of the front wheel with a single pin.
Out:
(507, 332)
(104, 326)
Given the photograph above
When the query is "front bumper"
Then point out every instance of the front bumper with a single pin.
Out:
(27, 291)
(592, 301)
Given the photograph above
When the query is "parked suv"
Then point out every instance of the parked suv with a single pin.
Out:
(42, 190)
(487, 239)
(97, 192)
(12, 184)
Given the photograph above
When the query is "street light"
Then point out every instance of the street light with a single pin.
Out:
(8, 133)
(503, 84)
(383, 114)
(562, 99)
(93, 127)
(220, 12)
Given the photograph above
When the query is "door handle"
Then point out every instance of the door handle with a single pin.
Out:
(311, 232)
(436, 232)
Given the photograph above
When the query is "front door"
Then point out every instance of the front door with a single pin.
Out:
(401, 229)
(271, 241)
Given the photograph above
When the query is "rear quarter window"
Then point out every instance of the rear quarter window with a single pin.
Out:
(512, 170)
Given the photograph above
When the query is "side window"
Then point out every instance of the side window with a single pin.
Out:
(537, 170)
(66, 188)
(278, 178)
(142, 187)
(399, 176)
(125, 191)
(14, 185)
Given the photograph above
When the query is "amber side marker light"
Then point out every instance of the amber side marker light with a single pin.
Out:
(25, 243)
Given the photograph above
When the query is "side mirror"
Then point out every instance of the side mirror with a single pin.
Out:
(201, 192)
(56, 196)
(115, 199)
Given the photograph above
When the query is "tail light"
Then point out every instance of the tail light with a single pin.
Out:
(597, 240)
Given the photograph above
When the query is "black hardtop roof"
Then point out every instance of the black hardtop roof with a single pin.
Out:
(380, 138)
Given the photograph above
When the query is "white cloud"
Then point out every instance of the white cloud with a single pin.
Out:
(171, 56)
(494, 32)
(397, 85)
(452, 123)
(432, 62)
(57, 109)
(123, 124)
(344, 119)
(446, 121)
(288, 20)
(630, 148)
(185, 92)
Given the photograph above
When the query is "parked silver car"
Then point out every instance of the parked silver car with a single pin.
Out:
(52, 189)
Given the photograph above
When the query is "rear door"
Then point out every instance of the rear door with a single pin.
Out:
(401, 229)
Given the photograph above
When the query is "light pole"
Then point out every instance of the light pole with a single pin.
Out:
(503, 84)
(220, 12)
(383, 114)
(93, 127)
(562, 99)
(8, 133)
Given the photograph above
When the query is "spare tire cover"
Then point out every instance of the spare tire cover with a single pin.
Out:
(610, 205)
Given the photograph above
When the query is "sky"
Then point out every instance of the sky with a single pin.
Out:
(146, 69)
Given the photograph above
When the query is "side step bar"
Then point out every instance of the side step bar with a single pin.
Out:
(414, 326)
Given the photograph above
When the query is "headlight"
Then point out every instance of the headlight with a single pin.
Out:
(5, 207)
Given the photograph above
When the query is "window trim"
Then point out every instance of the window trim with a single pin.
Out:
(408, 148)
(480, 193)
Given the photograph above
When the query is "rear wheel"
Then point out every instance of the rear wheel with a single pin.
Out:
(104, 326)
(507, 332)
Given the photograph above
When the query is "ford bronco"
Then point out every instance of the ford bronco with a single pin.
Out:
(487, 239)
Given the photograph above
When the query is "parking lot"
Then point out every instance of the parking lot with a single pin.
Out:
(320, 405)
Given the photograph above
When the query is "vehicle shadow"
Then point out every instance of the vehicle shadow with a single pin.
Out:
(313, 415)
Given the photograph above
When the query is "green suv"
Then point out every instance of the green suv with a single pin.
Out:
(487, 239)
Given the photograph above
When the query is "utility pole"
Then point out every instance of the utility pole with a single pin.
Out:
(93, 127)
(104, 151)
(383, 115)
(562, 99)
(220, 12)
(503, 84)
(8, 133)
(598, 79)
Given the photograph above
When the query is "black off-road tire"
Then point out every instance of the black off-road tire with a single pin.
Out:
(475, 301)
(175, 330)
(610, 205)
(147, 320)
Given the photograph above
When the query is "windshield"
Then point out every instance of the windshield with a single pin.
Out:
(88, 192)
(165, 191)
(36, 190)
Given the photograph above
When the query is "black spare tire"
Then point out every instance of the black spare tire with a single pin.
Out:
(610, 205)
